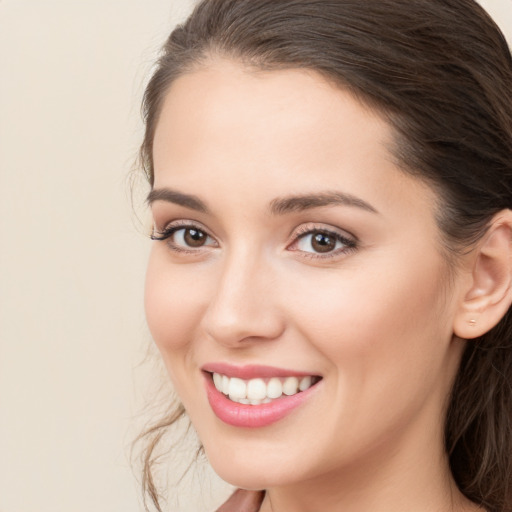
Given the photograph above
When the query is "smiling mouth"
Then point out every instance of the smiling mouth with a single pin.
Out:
(260, 391)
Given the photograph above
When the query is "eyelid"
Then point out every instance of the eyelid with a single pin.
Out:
(309, 227)
(350, 241)
(172, 227)
(180, 224)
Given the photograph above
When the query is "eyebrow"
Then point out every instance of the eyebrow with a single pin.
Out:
(278, 206)
(173, 196)
(299, 203)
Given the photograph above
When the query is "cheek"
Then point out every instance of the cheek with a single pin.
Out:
(173, 304)
(384, 334)
(379, 325)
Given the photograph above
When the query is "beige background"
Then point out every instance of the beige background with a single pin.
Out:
(72, 254)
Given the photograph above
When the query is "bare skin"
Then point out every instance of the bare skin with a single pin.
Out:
(374, 315)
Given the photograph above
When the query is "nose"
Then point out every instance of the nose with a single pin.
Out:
(244, 305)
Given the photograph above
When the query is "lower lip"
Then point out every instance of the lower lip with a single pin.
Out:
(253, 416)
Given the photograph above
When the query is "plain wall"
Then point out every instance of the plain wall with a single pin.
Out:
(72, 254)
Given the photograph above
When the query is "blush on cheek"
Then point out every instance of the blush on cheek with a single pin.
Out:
(370, 314)
(168, 324)
(174, 301)
(163, 314)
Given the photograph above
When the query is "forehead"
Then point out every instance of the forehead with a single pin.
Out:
(227, 95)
(286, 130)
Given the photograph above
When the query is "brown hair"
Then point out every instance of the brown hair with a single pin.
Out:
(440, 72)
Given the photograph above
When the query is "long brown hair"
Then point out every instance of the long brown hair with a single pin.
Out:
(440, 72)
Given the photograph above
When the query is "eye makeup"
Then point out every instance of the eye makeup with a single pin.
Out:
(310, 240)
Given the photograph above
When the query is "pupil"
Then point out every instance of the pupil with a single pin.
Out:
(194, 237)
(323, 243)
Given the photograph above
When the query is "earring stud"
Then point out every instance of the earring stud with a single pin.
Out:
(472, 322)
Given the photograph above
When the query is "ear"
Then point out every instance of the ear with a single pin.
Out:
(488, 294)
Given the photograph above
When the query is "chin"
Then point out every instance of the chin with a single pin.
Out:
(252, 469)
(250, 478)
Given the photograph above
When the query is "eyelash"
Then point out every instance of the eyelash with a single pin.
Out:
(169, 231)
(350, 244)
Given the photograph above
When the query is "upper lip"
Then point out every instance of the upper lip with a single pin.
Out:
(252, 371)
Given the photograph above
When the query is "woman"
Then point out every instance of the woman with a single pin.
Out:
(330, 283)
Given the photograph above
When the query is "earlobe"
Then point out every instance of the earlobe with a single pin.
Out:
(489, 293)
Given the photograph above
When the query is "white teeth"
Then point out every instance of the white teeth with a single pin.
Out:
(257, 391)
(237, 388)
(290, 386)
(274, 388)
(217, 380)
(225, 385)
(305, 383)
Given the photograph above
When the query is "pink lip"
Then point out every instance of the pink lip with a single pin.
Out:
(251, 371)
(253, 416)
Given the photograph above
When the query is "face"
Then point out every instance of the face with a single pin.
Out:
(295, 260)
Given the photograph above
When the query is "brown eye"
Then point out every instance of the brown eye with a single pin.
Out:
(323, 242)
(319, 241)
(193, 237)
(184, 237)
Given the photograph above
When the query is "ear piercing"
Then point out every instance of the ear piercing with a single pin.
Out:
(472, 322)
